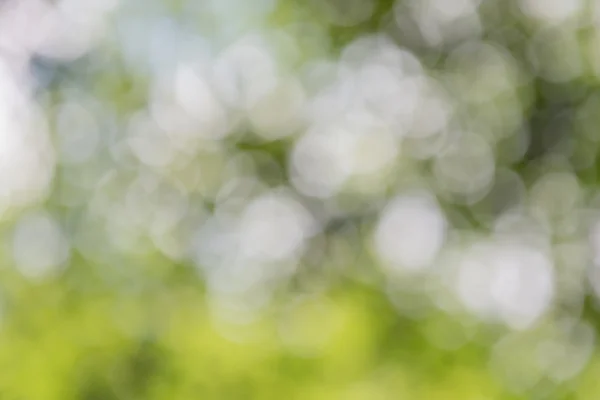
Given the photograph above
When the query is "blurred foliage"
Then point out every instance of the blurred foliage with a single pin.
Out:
(131, 322)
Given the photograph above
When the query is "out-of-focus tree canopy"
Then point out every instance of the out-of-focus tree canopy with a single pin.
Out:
(322, 199)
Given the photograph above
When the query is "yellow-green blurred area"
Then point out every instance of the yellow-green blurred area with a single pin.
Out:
(285, 199)
(166, 344)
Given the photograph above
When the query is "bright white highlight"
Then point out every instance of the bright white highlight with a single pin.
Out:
(410, 232)
(507, 281)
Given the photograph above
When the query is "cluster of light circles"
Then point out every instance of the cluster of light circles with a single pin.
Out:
(375, 129)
